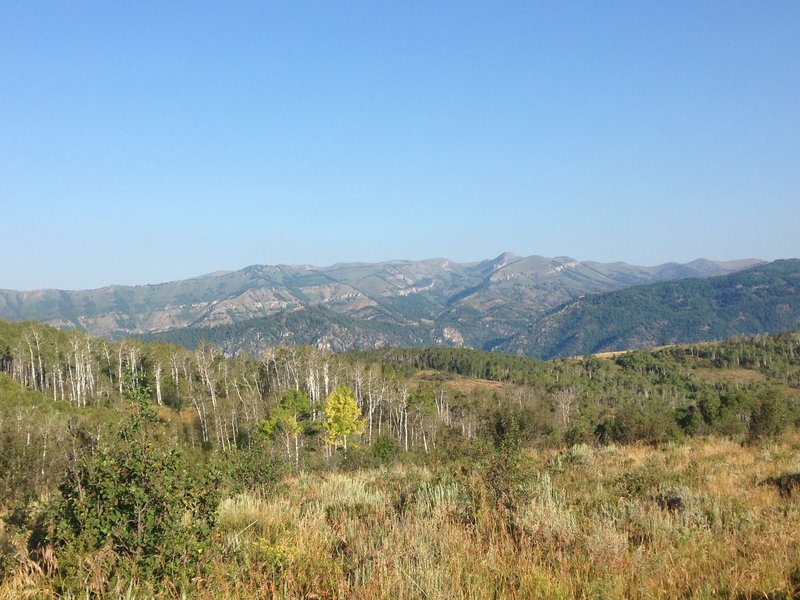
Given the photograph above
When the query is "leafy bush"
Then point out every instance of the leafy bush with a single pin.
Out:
(8, 553)
(256, 468)
(768, 418)
(507, 473)
(648, 422)
(133, 508)
(384, 450)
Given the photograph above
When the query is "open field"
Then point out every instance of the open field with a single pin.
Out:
(729, 376)
(705, 519)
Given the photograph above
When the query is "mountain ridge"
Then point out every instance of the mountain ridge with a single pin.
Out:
(731, 265)
(471, 304)
(761, 299)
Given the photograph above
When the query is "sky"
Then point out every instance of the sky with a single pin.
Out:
(143, 142)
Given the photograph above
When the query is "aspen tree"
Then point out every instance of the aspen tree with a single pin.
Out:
(342, 417)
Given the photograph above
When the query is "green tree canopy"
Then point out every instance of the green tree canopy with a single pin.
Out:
(288, 421)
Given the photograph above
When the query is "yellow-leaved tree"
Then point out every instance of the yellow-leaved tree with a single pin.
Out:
(342, 417)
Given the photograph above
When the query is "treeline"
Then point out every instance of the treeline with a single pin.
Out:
(458, 361)
(431, 403)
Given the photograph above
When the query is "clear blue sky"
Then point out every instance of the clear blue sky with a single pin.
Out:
(143, 142)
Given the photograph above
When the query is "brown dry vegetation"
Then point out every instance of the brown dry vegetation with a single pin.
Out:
(704, 519)
(731, 376)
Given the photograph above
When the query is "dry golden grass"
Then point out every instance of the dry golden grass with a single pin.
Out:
(730, 376)
(697, 520)
(468, 386)
(457, 383)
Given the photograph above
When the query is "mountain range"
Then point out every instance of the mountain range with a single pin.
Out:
(510, 303)
(761, 299)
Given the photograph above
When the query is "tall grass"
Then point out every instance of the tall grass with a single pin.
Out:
(703, 520)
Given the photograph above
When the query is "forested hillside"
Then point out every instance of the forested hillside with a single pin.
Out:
(407, 394)
(99, 440)
(316, 325)
(762, 299)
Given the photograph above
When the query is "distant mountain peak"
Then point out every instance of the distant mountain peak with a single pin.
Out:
(405, 301)
(504, 259)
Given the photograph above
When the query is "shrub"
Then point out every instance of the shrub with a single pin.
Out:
(384, 450)
(768, 417)
(648, 422)
(257, 468)
(606, 547)
(133, 508)
(545, 517)
(787, 484)
(506, 473)
(581, 454)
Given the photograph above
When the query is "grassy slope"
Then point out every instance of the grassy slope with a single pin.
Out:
(701, 520)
